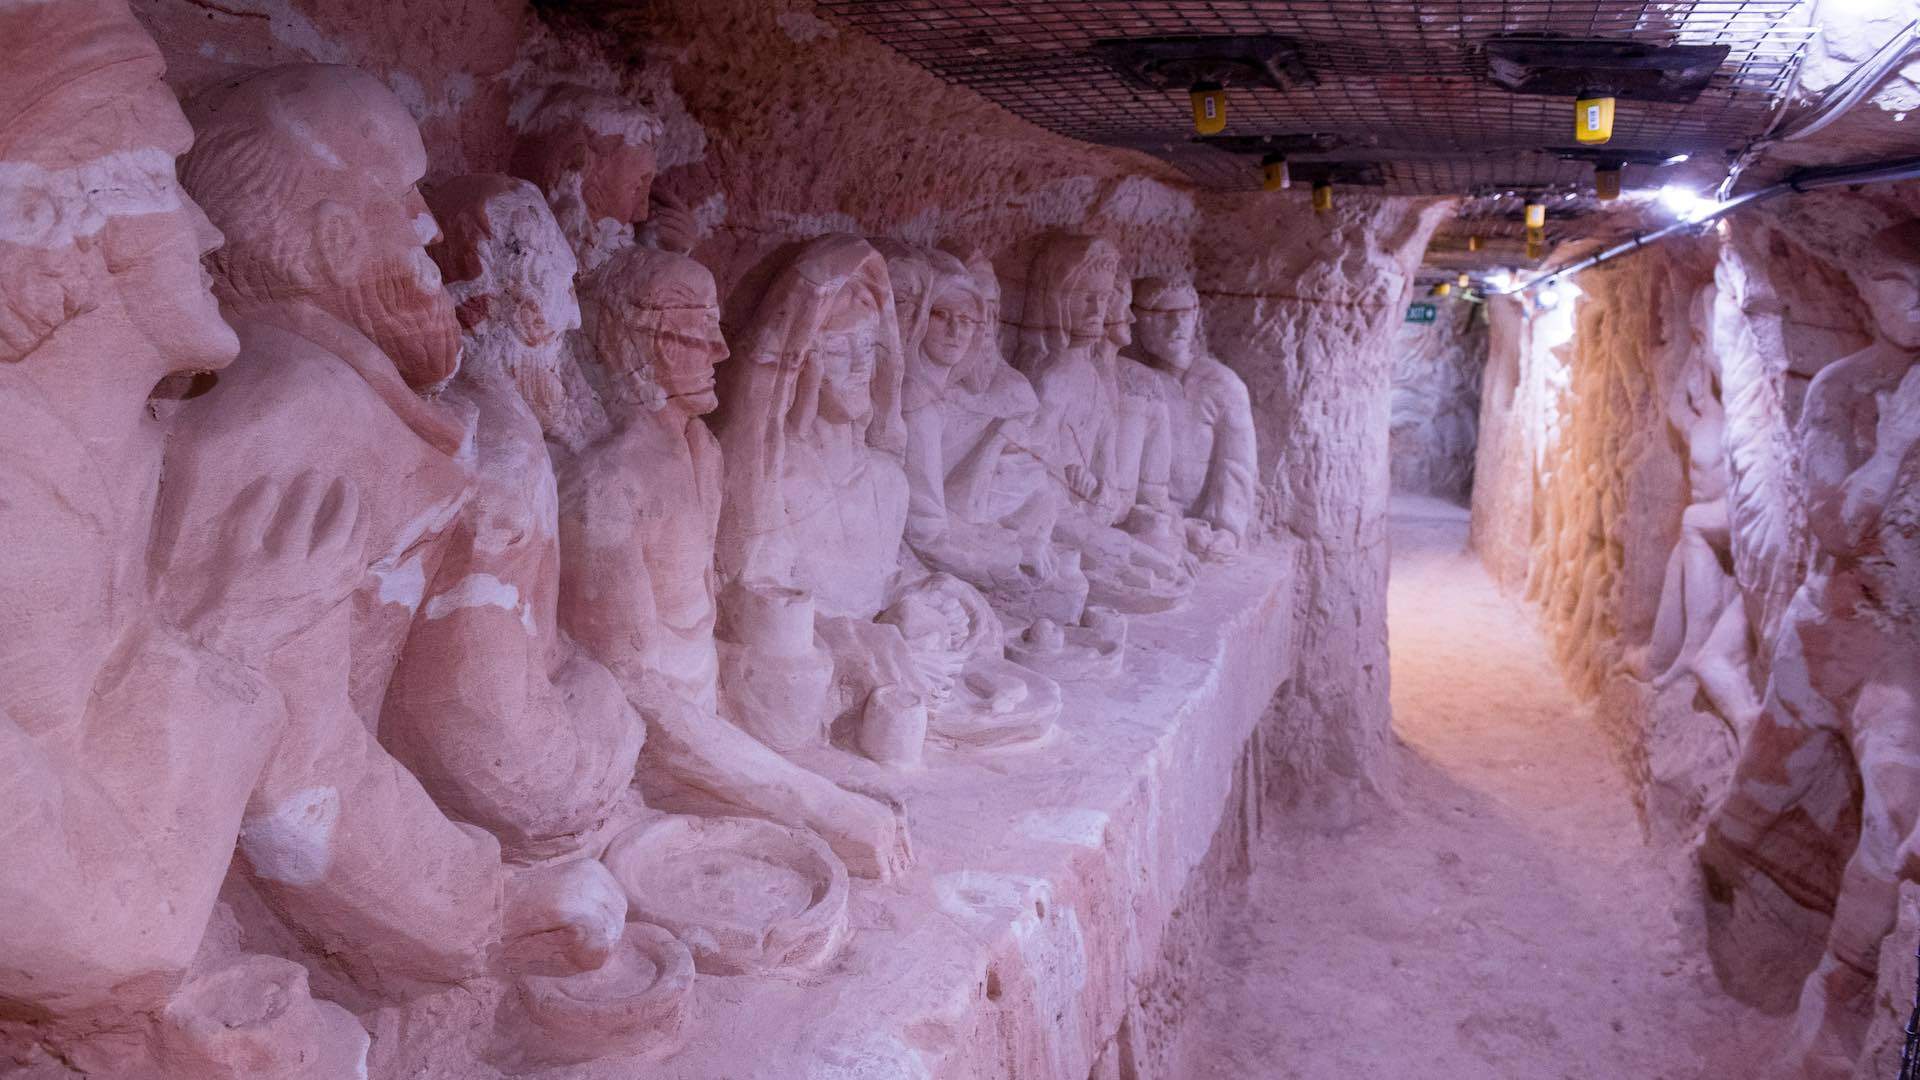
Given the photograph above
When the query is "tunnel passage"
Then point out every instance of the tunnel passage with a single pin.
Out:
(851, 538)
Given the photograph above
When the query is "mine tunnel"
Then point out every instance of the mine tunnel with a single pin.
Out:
(959, 539)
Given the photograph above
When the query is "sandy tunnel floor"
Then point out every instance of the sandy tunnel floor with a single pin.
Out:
(1508, 921)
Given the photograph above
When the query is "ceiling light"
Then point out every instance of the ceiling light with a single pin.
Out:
(1593, 118)
(1273, 173)
(1209, 107)
(1606, 182)
(1322, 196)
(1549, 297)
(1685, 204)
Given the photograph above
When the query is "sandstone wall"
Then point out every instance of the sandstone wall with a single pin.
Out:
(1649, 474)
(1437, 369)
(1310, 327)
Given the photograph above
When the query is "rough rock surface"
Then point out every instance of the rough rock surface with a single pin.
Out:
(1436, 402)
(1310, 328)
(1665, 469)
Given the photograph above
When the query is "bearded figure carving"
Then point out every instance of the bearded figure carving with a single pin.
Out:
(1213, 459)
(507, 724)
(311, 172)
(639, 512)
(137, 711)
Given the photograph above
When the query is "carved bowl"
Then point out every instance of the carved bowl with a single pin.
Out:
(746, 896)
(638, 1001)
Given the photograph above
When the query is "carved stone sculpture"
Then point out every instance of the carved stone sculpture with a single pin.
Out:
(135, 712)
(1214, 459)
(591, 154)
(815, 518)
(310, 170)
(1068, 344)
(1701, 627)
(506, 724)
(639, 509)
(981, 506)
(1842, 698)
(814, 441)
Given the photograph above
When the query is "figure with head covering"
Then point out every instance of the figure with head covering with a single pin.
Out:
(981, 505)
(1213, 460)
(812, 528)
(312, 172)
(136, 715)
(812, 434)
(1070, 336)
(1843, 697)
(639, 508)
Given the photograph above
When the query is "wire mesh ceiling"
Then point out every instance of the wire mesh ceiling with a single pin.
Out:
(1401, 86)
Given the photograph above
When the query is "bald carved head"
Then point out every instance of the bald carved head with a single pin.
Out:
(312, 171)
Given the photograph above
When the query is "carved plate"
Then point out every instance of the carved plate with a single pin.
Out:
(746, 896)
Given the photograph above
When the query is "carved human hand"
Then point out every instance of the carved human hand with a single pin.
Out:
(286, 554)
(562, 919)
(671, 224)
(1083, 483)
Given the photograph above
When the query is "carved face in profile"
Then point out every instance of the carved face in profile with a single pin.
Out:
(956, 318)
(313, 172)
(618, 178)
(656, 326)
(391, 288)
(1890, 283)
(1120, 313)
(512, 275)
(105, 174)
(846, 354)
(690, 348)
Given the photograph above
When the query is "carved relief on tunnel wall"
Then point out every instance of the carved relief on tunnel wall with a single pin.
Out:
(459, 590)
(1716, 447)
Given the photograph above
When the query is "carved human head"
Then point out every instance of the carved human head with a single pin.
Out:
(510, 271)
(312, 171)
(1071, 287)
(92, 221)
(956, 315)
(942, 312)
(846, 352)
(1167, 320)
(655, 324)
(592, 154)
(1889, 281)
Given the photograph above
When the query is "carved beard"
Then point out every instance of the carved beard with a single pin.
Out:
(413, 324)
(543, 388)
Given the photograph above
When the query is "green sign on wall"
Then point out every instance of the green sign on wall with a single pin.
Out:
(1422, 313)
